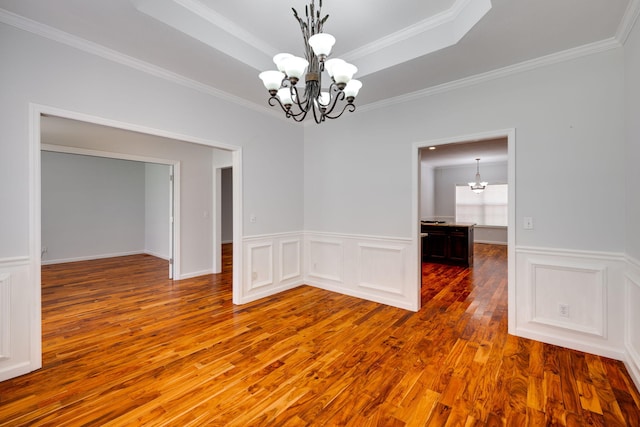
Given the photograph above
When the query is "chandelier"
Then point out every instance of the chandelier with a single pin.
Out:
(478, 186)
(282, 84)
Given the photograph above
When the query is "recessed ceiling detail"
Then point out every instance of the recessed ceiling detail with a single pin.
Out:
(431, 33)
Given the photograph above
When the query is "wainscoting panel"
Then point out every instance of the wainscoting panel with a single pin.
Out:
(273, 263)
(632, 309)
(378, 269)
(261, 262)
(569, 296)
(572, 299)
(381, 267)
(290, 259)
(20, 329)
(326, 259)
(5, 315)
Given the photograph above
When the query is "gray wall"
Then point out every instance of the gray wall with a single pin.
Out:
(66, 78)
(91, 207)
(562, 114)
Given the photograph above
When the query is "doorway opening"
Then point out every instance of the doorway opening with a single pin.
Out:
(441, 167)
(156, 152)
(103, 205)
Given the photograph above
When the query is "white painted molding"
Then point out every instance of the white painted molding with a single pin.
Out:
(437, 32)
(379, 264)
(296, 253)
(260, 259)
(554, 58)
(632, 319)
(5, 316)
(581, 254)
(375, 268)
(14, 261)
(571, 342)
(273, 264)
(629, 19)
(91, 257)
(51, 33)
(71, 40)
(193, 274)
(329, 250)
(597, 274)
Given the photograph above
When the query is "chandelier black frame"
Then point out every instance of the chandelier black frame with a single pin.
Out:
(282, 84)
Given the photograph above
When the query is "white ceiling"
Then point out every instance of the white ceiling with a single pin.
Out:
(222, 44)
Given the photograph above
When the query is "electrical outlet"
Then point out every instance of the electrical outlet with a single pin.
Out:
(563, 310)
(254, 275)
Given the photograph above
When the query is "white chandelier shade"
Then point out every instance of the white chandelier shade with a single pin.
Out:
(323, 103)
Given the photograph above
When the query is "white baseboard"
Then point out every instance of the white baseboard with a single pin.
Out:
(90, 257)
(195, 274)
(632, 324)
(489, 242)
(157, 255)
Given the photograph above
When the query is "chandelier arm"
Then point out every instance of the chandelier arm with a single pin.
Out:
(350, 107)
(277, 101)
(295, 95)
(298, 117)
(318, 114)
(336, 95)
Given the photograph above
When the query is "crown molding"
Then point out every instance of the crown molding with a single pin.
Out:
(429, 35)
(202, 10)
(629, 19)
(411, 31)
(554, 58)
(59, 36)
(17, 21)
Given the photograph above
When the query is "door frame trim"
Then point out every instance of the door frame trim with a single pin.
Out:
(35, 206)
(510, 134)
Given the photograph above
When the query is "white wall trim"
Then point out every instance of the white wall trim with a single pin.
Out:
(54, 34)
(554, 58)
(510, 134)
(374, 268)
(15, 327)
(574, 253)
(629, 19)
(598, 308)
(591, 283)
(92, 257)
(269, 268)
(296, 267)
(35, 232)
(260, 253)
(632, 319)
(5, 316)
(573, 343)
(79, 43)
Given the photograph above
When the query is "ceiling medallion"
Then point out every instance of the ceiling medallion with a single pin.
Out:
(282, 84)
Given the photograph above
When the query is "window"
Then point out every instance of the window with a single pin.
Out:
(486, 208)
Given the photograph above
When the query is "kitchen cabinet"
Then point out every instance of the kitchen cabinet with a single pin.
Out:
(448, 243)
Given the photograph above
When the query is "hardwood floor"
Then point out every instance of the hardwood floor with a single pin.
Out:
(124, 346)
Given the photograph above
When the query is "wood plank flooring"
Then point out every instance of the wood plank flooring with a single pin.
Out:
(124, 346)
